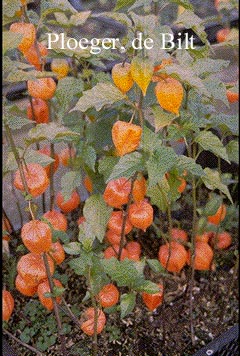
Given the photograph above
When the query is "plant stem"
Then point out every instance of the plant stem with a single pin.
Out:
(94, 342)
(22, 343)
(55, 306)
(140, 111)
(52, 177)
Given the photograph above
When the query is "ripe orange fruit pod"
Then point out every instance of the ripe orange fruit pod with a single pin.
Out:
(29, 34)
(112, 251)
(87, 321)
(222, 240)
(141, 215)
(60, 66)
(40, 111)
(42, 88)
(87, 182)
(43, 288)
(179, 234)
(57, 220)
(31, 55)
(126, 137)
(7, 228)
(113, 238)
(169, 93)
(36, 179)
(165, 62)
(7, 305)
(23, 287)
(232, 96)
(134, 250)
(182, 185)
(57, 252)
(173, 256)
(32, 269)
(218, 216)
(36, 236)
(47, 151)
(117, 192)
(152, 301)
(122, 78)
(139, 188)
(108, 296)
(205, 237)
(203, 256)
(115, 223)
(70, 204)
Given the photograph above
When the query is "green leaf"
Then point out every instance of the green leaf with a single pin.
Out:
(81, 264)
(51, 132)
(120, 17)
(156, 266)
(188, 19)
(69, 182)
(33, 156)
(127, 304)
(184, 3)
(212, 181)
(72, 248)
(233, 151)
(123, 3)
(106, 166)
(10, 40)
(209, 65)
(216, 88)
(148, 287)
(160, 163)
(210, 142)
(67, 88)
(189, 164)
(97, 214)
(226, 122)
(99, 96)
(60, 235)
(159, 194)
(161, 117)
(50, 6)
(127, 166)
(89, 156)
(150, 141)
(212, 205)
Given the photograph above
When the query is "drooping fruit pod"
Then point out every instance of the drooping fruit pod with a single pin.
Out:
(122, 78)
(42, 88)
(141, 215)
(66, 155)
(142, 72)
(87, 182)
(218, 216)
(221, 241)
(116, 221)
(126, 137)
(57, 252)
(7, 305)
(60, 67)
(113, 251)
(179, 235)
(70, 204)
(56, 219)
(25, 288)
(139, 189)
(169, 93)
(31, 55)
(108, 296)
(29, 34)
(152, 301)
(39, 112)
(117, 192)
(173, 256)
(36, 236)
(43, 288)
(87, 321)
(36, 179)
(203, 256)
(113, 238)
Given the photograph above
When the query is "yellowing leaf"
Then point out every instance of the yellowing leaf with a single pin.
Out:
(142, 71)
(169, 93)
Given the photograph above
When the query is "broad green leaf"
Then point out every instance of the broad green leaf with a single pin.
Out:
(212, 205)
(123, 3)
(159, 194)
(16, 123)
(189, 164)
(10, 40)
(120, 17)
(209, 65)
(210, 142)
(89, 156)
(148, 287)
(139, 3)
(99, 96)
(51, 132)
(86, 236)
(106, 166)
(33, 156)
(80, 265)
(50, 6)
(67, 88)
(233, 151)
(216, 89)
(127, 166)
(187, 76)
(72, 248)
(189, 19)
(160, 163)
(226, 122)
(161, 117)
(184, 3)
(142, 72)
(156, 266)
(97, 214)
(60, 235)
(10, 7)
(150, 141)
(212, 181)
(69, 182)
(127, 304)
